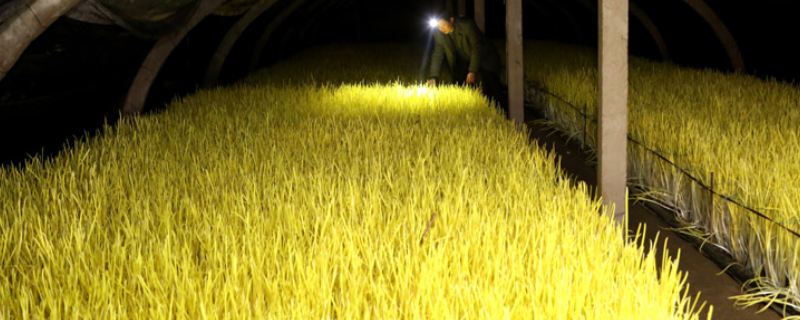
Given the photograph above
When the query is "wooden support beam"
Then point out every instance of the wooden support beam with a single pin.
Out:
(25, 25)
(516, 87)
(550, 17)
(233, 34)
(267, 34)
(462, 8)
(311, 26)
(612, 129)
(721, 30)
(480, 14)
(151, 66)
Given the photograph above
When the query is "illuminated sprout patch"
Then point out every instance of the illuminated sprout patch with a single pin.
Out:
(275, 201)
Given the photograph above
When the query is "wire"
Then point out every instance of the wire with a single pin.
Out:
(663, 158)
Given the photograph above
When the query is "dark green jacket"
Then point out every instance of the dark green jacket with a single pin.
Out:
(465, 46)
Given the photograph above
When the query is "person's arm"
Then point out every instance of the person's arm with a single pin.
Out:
(476, 54)
(437, 57)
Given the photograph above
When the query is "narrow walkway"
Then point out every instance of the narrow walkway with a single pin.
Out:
(703, 273)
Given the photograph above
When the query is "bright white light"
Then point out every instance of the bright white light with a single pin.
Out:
(418, 90)
(433, 22)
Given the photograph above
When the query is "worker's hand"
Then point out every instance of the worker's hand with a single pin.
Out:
(471, 78)
(431, 82)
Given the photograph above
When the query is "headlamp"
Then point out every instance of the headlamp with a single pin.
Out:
(433, 22)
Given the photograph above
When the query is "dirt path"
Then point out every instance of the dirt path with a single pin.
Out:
(715, 289)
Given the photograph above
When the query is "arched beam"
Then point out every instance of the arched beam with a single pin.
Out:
(262, 40)
(224, 48)
(26, 25)
(310, 13)
(645, 20)
(316, 17)
(137, 94)
(723, 34)
(571, 18)
(651, 27)
(546, 13)
(317, 14)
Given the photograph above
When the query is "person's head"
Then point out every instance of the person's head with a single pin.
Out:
(446, 25)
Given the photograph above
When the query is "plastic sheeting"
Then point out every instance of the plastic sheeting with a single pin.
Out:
(148, 19)
(235, 7)
(144, 18)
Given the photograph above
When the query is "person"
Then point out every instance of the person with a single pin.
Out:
(471, 57)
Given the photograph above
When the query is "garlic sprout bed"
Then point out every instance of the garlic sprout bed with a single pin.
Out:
(743, 131)
(286, 197)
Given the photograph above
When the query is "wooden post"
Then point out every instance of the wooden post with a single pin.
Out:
(612, 129)
(480, 14)
(462, 8)
(516, 88)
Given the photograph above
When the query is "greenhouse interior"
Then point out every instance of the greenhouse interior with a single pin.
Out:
(399, 159)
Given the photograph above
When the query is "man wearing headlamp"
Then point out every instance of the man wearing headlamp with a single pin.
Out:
(470, 55)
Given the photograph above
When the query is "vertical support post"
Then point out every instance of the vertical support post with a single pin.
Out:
(516, 88)
(462, 8)
(448, 6)
(612, 129)
(480, 14)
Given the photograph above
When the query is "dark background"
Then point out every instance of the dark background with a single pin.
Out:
(74, 77)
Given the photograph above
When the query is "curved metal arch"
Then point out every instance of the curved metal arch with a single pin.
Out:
(276, 22)
(572, 20)
(651, 27)
(221, 53)
(305, 27)
(137, 94)
(546, 13)
(576, 27)
(26, 25)
(721, 31)
(309, 23)
(311, 12)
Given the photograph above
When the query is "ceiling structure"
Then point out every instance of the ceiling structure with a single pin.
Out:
(167, 22)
